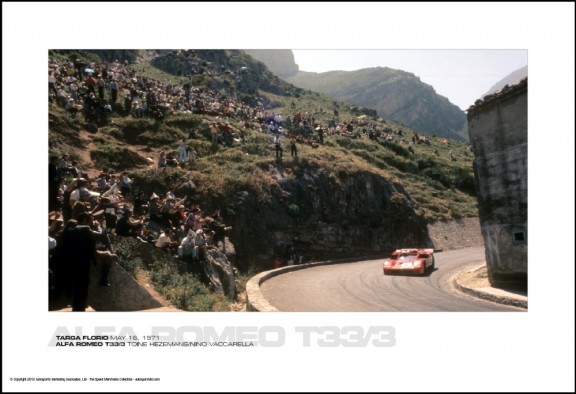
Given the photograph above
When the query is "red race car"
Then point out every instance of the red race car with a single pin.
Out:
(415, 261)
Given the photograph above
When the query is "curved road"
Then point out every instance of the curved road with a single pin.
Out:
(362, 287)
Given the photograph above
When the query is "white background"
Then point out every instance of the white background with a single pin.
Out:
(531, 351)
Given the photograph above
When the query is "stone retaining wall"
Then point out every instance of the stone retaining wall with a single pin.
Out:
(456, 234)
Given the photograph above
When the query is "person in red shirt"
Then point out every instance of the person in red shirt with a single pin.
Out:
(90, 84)
(277, 263)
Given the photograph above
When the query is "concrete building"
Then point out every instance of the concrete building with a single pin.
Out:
(498, 129)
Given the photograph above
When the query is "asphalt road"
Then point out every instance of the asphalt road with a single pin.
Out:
(362, 287)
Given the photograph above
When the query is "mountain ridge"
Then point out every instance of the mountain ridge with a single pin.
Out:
(395, 94)
(511, 79)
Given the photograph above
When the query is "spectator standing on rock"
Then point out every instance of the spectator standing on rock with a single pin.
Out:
(90, 84)
(215, 133)
(127, 104)
(217, 225)
(126, 184)
(182, 151)
(320, 134)
(293, 148)
(100, 84)
(113, 86)
(191, 156)
(278, 146)
(162, 160)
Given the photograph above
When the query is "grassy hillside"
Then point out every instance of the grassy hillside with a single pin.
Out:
(347, 195)
(441, 188)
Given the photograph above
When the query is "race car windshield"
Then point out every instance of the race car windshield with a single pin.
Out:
(406, 256)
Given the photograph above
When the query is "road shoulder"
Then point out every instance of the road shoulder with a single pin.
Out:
(474, 281)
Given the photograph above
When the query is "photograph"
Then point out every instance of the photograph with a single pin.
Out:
(337, 191)
(169, 189)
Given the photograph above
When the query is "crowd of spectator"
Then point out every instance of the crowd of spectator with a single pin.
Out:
(107, 204)
(84, 213)
(94, 90)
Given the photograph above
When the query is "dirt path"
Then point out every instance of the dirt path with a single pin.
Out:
(84, 154)
(91, 168)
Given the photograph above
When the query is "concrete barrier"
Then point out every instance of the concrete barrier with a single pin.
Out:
(124, 293)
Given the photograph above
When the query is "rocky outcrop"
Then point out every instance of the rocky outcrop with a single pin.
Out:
(231, 70)
(215, 268)
(279, 61)
(220, 272)
(324, 215)
(456, 234)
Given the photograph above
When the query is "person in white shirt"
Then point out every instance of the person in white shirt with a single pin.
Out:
(278, 146)
(200, 242)
(165, 241)
(188, 247)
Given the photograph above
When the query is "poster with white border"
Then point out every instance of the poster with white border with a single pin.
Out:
(503, 352)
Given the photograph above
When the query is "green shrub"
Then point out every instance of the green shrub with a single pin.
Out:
(163, 135)
(397, 148)
(161, 180)
(128, 256)
(464, 180)
(439, 174)
(426, 162)
(184, 122)
(184, 290)
(294, 211)
(401, 164)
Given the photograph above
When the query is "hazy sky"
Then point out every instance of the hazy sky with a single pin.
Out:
(462, 76)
